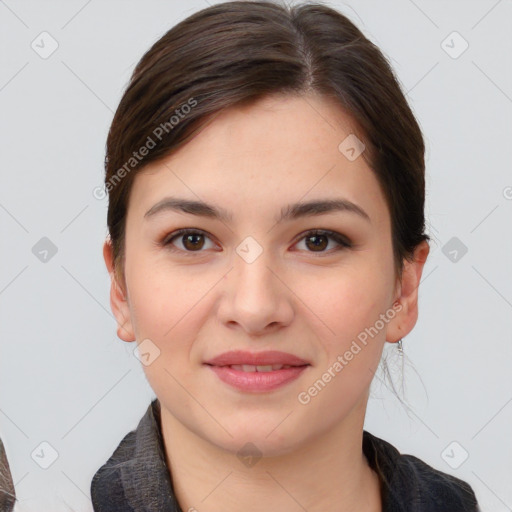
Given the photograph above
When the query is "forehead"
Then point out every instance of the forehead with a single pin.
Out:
(277, 128)
(278, 150)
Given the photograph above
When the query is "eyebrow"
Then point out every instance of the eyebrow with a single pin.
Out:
(288, 213)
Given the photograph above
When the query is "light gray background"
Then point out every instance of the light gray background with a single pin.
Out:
(67, 380)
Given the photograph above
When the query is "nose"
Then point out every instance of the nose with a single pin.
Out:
(256, 298)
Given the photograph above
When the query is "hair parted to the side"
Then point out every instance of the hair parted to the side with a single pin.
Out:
(234, 53)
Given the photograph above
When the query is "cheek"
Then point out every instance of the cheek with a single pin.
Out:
(151, 308)
(163, 306)
(168, 306)
(159, 296)
(346, 301)
(349, 306)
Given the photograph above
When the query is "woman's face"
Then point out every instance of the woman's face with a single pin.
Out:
(254, 280)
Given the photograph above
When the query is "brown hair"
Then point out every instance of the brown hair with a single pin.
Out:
(235, 53)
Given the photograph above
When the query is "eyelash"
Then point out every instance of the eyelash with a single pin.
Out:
(343, 242)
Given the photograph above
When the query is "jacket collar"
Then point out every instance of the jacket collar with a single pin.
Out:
(136, 477)
(7, 493)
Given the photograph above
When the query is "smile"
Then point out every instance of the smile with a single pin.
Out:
(257, 379)
(262, 368)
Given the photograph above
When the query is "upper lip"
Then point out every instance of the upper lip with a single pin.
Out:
(256, 358)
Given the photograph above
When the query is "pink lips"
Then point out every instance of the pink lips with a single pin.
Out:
(256, 381)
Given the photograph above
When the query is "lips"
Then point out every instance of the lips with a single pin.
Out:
(260, 360)
(257, 371)
(259, 368)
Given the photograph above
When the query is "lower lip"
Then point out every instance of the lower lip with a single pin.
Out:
(257, 381)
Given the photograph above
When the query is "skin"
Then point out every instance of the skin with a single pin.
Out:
(194, 305)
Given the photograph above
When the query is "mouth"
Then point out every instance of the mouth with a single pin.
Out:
(257, 372)
(262, 361)
(259, 368)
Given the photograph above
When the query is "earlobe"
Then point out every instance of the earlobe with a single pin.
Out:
(403, 323)
(118, 300)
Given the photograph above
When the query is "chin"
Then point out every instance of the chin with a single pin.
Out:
(257, 446)
(262, 440)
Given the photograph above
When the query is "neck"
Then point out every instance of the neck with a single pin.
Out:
(329, 473)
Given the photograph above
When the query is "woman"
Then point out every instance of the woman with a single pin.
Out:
(266, 219)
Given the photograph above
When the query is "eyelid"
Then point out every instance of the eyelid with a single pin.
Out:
(342, 240)
(326, 232)
(167, 240)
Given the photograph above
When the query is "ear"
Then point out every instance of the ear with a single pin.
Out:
(118, 300)
(407, 295)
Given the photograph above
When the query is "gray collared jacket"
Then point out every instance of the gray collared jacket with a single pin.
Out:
(7, 494)
(136, 477)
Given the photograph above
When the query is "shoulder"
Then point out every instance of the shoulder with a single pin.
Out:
(7, 491)
(136, 471)
(406, 479)
(440, 489)
(107, 489)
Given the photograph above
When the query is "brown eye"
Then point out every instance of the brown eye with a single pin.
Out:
(318, 241)
(192, 241)
(186, 240)
(315, 242)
